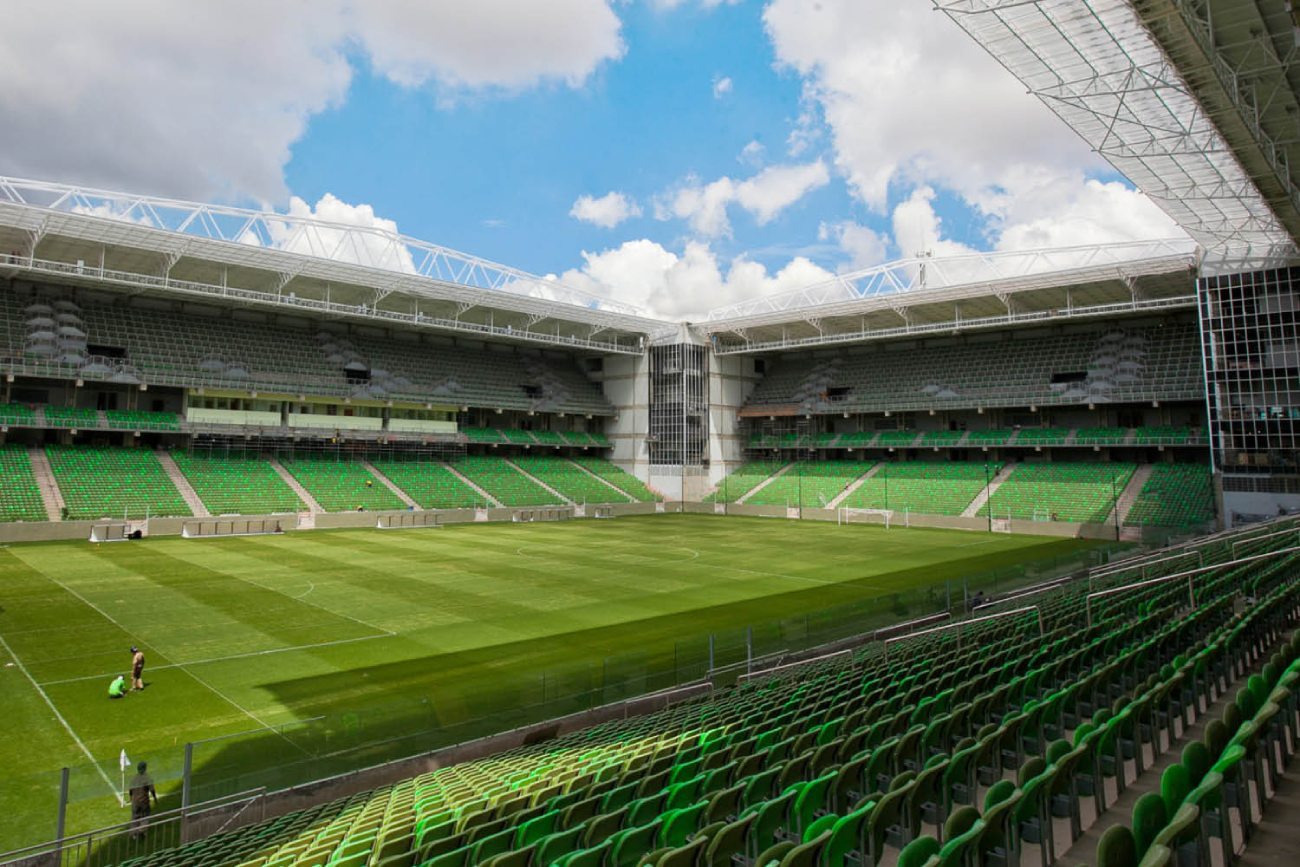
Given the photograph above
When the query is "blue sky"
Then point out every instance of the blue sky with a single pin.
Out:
(674, 154)
(496, 175)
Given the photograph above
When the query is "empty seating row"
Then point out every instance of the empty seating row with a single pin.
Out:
(114, 483)
(1075, 492)
(504, 482)
(237, 485)
(571, 481)
(925, 487)
(813, 485)
(959, 747)
(187, 349)
(341, 485)
(431, 484)
(743, 480)
(624, 481)
(1133, 365)
(20, 498)
(1175, 495)
(984, 437)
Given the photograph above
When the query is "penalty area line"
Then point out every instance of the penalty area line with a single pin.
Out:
(249, 655)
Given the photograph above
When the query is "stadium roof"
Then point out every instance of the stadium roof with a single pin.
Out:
(293, 264)
(227, 255)
(1200, 115)
(921, 296)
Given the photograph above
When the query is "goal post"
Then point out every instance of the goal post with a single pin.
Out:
(110, 531)
(846, 515)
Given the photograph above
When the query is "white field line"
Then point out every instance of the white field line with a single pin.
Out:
(112, 787)
(177, 665)
(249, 655)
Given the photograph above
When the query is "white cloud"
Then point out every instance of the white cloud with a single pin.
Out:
(607, 211)
(487, 43)
(721, 87)
(205, 99)
(765, 195)
(906, 94)
(913, 104)
(685, 285)
(774, 189)
(752, 154)
(862, 246)
(358, 248)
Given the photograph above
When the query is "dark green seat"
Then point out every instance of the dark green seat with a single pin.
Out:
(848, 837)
(679, 825)
(1116, 848)
(727, 842)
(1174, 786)
(918, 852)
(1149, 818)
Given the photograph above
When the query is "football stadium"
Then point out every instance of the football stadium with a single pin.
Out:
(972, 559)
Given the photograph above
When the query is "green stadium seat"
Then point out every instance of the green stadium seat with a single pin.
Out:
(114, 483)
(20, 497)
(341, 485)
(237, 485)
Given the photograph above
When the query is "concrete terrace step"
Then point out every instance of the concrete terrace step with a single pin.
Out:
(605, 481)
(388, 483)
(763, 484)
(183, 485)
(539, 482)
(1130, 494)
(51, 496)
(487, 498)
(312, 506)
(853, 486)
(982, 497)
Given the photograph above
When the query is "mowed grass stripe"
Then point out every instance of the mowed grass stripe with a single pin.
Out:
(284, 619)
(490, 619)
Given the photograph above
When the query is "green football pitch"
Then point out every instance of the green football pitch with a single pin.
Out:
(292, 657)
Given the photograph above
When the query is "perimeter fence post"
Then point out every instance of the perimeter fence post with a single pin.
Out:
(749, 650)
(710, 654)
(186, 775)
(62, 820)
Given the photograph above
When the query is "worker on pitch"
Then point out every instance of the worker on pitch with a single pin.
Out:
(137, 668)
(118, 688)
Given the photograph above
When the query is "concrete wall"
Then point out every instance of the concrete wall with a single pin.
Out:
(731, 380)
(626, 382)
(52, 531)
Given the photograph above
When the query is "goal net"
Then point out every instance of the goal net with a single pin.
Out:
(845, 515)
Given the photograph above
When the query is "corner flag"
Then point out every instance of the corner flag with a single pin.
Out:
(123, 763)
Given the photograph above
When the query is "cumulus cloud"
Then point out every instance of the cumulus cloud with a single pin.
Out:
(487, 43)
(607, 211)
(372, 247)
(862, 246)
(913, 105)
(721, 87)
(683, 285)
(765, 195)
(205, 99)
